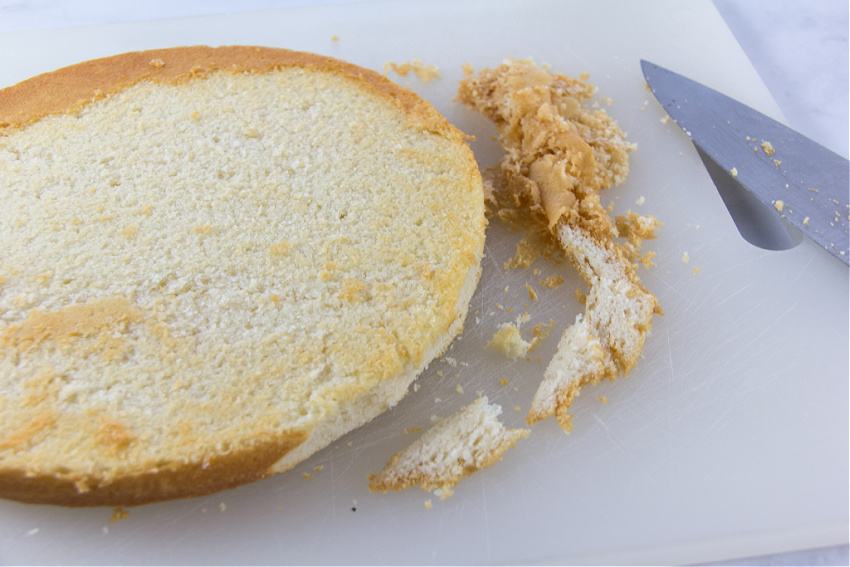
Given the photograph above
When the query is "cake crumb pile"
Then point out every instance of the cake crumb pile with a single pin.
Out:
(559, 154)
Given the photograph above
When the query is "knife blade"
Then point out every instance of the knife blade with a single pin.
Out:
(800, 180)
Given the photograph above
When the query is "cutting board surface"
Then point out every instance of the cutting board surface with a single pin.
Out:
(729, 439)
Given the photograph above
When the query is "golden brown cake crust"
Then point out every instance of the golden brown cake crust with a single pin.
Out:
(169, 482)
(71, 88)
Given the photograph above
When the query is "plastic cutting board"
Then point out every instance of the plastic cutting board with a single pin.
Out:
(729, 439)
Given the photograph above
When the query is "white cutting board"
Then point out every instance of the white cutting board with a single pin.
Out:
(730, 438)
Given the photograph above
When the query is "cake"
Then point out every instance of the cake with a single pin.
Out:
(216, 261)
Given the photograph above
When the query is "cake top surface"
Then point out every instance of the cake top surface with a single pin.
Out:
(206, 263)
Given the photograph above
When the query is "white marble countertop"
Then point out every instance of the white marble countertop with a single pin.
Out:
(800, 50)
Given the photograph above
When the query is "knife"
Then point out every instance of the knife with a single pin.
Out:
(800, 180)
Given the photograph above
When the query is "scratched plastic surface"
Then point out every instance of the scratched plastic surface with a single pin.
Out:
(728, 440)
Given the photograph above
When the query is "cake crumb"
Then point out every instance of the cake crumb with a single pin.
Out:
(637, 228)
(540, 333)
(806, 221)
(696, 270)
(646, 259)
(734, 172)
(768, 148)
(779, 205)
(686, 258)
(526, 254)
(222, 506)
(504, 382)
(334, 38)
(531, 293)
(427, 504)
(459, 389)
(552, 281)
(425, 71)
(318, 468)
(603, 399)
(580, 296)
(509, 341)
(118, 514)
(307, 475)
(640, 200)
(444, 492)
(467, 69)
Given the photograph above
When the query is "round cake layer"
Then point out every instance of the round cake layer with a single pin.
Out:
(218, 256)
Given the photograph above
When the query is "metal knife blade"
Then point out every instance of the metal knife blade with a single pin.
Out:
(802, 181)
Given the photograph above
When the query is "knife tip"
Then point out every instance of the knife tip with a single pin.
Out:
(648, 68)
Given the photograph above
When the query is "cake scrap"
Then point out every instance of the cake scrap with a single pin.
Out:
(470, 440)
(560, 153)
